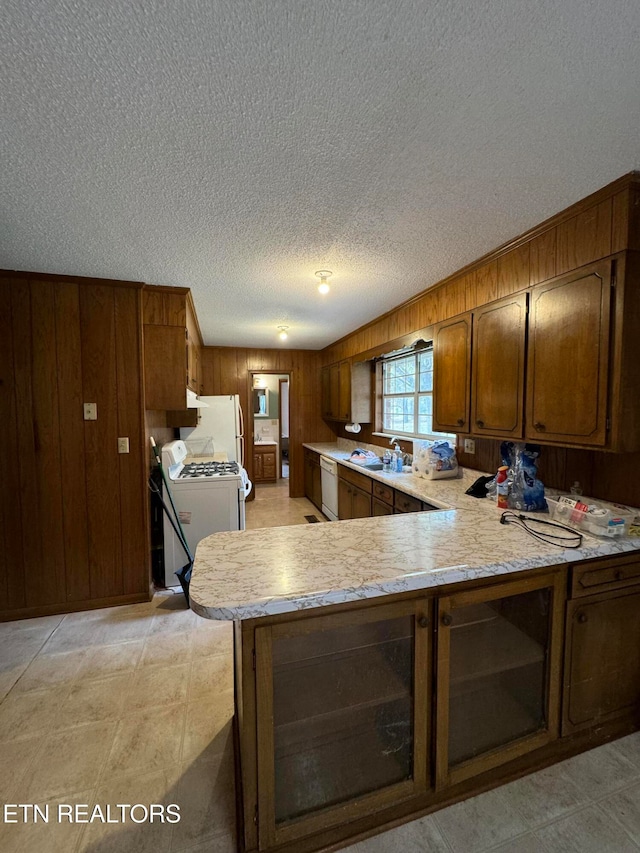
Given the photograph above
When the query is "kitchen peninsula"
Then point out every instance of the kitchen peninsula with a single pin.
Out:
(388, 666)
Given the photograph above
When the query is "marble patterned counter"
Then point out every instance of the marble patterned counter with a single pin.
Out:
(252, 573)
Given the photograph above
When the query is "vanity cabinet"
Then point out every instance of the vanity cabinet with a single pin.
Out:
(498, 674)
(265, 468)
(346, 392)
(312, 478)
(602, 656)
(343, 717)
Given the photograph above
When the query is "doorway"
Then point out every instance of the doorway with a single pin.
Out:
(269, 418)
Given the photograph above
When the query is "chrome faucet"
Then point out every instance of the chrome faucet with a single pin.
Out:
(397, 446)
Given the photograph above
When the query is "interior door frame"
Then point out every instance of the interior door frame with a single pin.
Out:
(281, 382)
(250, 430)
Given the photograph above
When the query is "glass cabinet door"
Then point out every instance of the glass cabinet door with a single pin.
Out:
(342, 716)
(497, 652)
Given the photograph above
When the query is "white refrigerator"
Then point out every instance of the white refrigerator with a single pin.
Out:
(220, 425)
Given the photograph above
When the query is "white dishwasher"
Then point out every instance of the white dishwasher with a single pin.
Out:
(329, 475)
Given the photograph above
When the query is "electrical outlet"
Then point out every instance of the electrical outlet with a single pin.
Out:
(123, 445)
(469, 445)
(91, 411)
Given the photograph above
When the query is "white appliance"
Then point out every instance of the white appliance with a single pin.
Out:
(209, 498)
(221, 421)
(329, 477)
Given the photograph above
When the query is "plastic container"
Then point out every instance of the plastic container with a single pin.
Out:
(502, 487)
(597, 520)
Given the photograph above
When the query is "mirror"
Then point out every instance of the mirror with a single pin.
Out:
(261, 402)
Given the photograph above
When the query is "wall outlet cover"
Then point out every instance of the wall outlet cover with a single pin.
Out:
(469, 445)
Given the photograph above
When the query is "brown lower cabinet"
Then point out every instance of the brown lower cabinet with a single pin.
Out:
(313, 478)
(265, 463)
(355, 716)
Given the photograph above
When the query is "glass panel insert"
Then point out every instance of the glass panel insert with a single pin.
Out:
(498, 673)
(343, 714)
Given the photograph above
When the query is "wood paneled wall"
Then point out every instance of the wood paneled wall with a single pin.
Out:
(226, 370)
(606, 222)
(73, 518)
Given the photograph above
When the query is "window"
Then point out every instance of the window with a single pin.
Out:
(407, 395)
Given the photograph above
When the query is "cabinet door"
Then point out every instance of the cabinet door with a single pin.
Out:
(308, 478)
(257, 467)
(602, 664)
(269, 465)
(317, 486)
(344, 394)
(334, 391)
(342, 717)
(568, 358)
(452, 375)
(360, 503)
(344, 500)
(165, 384)
(378, 508)
(497, 368)
(325, 379)
(498, 675)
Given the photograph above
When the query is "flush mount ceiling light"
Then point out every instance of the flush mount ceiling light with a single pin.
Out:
(282, 333)
(323, 275)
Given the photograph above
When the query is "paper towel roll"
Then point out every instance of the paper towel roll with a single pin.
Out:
(353, 427)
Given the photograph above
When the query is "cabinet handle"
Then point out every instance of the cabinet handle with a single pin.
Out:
(582, 618)
(480, 424)
(447, 619)
(539, 427)
(460, 421)
(619, 575)
(423, 622)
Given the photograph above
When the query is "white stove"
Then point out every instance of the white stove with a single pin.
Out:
(209, 497)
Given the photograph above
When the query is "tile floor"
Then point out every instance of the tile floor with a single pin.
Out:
(134, 704)
(273, 507)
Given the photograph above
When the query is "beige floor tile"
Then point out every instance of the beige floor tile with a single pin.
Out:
(479, 823)
(70, 761)
(208, 729)
(27, 715)
(159, 788)
(72, 636)
(523, 844)
(624, 806)
(40, 837)
(211, 676)
(602, 771)
(206, 795)
(544, 796)
(167, 649)
(41, 626)
(147, 740)
(15, 760)
(125, 628)
(205, 643)
(51, 671)
(417, 836)
(93, 701)
(102, 661)
(586, 831)
(157, 685)
(630, 747)
(9, 676)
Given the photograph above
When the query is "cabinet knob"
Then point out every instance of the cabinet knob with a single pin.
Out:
(619, 575)
(423, 622)
(539, 427)
(460, 421)
(582, 618)
(447, 619)
(480, 424)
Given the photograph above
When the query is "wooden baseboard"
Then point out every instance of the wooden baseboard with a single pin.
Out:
(73, 606)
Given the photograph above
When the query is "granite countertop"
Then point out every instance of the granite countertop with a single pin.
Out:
(251, 573)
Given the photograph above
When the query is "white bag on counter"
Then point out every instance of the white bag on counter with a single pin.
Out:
(434, 460)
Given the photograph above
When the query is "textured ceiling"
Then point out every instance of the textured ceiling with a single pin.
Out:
(236, 147)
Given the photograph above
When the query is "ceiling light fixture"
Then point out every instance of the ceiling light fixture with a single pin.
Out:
(323, 275)
(282, 330)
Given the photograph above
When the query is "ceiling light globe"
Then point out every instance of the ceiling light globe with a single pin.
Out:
(323, 287)
(283, 335)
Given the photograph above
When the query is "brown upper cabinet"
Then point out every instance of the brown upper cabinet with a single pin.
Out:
(172, 347)
(568, 359)
(451, 374)
(498, 367)
(346, 392)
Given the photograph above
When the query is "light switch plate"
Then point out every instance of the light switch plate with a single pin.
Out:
(469, 445)
(123, 445)
(91, 411)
